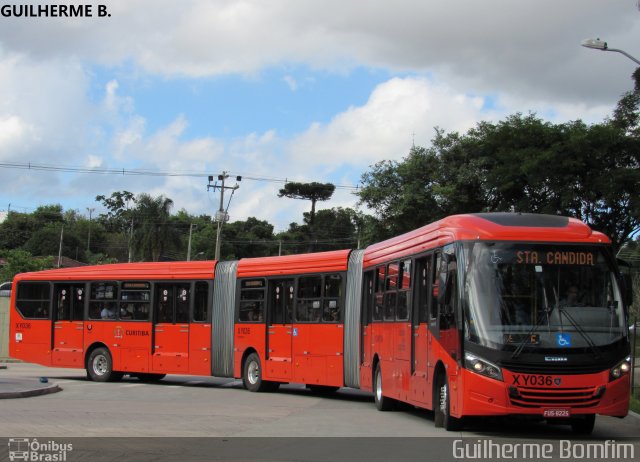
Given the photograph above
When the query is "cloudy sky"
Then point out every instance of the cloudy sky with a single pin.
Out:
(305, 90)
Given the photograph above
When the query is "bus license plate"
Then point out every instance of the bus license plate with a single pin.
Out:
(556, 413)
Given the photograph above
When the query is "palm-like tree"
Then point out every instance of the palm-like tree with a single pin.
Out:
(153, 235)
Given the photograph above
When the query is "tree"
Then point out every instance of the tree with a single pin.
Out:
(401, 194)
(313, 192)
(521, 164)
(20, 261)
(247, 239)
(118, 217)
(153, 234)
(336, 228)
(16, 230)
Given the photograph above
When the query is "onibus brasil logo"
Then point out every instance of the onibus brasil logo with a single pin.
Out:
(33, 450)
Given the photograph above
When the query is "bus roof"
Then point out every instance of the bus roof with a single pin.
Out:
(128, 271)
(321, 262)
(526, 227)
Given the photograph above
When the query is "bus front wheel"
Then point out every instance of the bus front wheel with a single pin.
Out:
(100, 366)
(442, 407)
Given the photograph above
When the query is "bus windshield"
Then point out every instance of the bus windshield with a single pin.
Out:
(540, 296)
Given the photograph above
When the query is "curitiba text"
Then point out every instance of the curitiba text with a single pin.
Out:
(54, 11)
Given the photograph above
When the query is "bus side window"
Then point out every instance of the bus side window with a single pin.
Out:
(434, 286)
(378, 305)
(102, 298)
(404, 291)
(309, 299)
(201, 302)
(252, 295)
(183, 292)
(332, 297)
(32, 300)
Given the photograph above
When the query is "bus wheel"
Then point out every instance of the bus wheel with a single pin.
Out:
(382, 402)
(148, 377)
(100, 366)
(252, 375)
(583, 425)
(443, 417)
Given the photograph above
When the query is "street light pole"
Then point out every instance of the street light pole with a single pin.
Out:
(597, 44)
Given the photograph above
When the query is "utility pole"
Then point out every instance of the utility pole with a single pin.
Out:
(221, 215)
(130, 241)
(60, 247)
(90, 210)
(189, 246)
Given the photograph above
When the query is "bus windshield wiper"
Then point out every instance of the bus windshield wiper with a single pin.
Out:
(596, 351)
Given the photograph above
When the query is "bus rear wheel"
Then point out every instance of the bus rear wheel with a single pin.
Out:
(382, 402)
(100, 366)
(252, 376)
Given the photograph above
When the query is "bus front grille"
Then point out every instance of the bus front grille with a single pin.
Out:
(529, 397)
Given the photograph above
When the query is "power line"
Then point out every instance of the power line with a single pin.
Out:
(141, 172)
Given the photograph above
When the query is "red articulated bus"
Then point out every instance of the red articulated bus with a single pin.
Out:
(474, 315)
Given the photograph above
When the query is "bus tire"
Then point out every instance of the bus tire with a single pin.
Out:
(100, 366)
(252, 375)
(382, 402)
(583, 425)
(442, 407)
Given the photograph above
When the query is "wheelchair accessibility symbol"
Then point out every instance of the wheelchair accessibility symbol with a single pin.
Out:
(563, 340)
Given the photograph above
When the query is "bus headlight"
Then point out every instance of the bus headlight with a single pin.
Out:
(621, 369)
(482, 367)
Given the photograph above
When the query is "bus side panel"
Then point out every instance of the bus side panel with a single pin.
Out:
(68, 348)
(248, 336)
(200, 349)
(318, 354)
(30, 340)
(134, 346)
(366, 374)
(402, 359)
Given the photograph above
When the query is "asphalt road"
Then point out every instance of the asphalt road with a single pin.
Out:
(223, 412)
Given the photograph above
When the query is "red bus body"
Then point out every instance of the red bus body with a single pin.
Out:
(377, 319)
(139, 346)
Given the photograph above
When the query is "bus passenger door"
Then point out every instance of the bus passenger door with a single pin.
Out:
(420, 388)
(68, 325)
(200, 331)
(171, 328)
(280, 329)
(366, 331)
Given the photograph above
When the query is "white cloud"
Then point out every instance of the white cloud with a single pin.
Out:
(498, 54)
(384, 127)
(494, 45)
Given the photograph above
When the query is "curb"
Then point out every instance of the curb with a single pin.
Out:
(29, 393)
